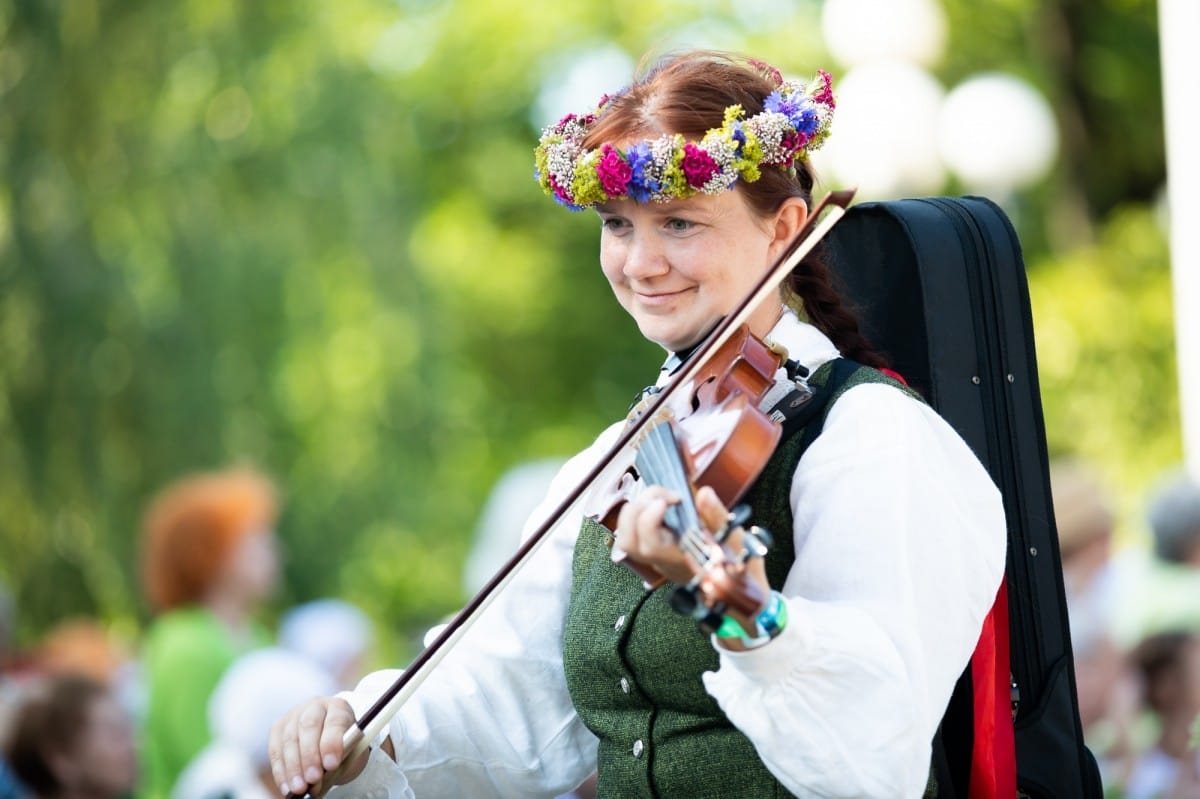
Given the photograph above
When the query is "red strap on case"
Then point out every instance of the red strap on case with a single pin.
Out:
(994, 754)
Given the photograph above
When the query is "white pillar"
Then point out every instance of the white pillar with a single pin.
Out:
(1179, 32)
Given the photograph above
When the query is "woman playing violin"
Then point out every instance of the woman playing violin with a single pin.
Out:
(889, 537)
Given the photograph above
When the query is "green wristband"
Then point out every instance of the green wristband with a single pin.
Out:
(770, 623)
(775, 617)
(730, 629)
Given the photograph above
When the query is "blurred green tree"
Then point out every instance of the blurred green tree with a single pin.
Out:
(305, 234)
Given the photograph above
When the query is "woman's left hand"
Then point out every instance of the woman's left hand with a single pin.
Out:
(643, 537)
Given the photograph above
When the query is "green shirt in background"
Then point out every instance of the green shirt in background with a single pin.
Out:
(186, 652)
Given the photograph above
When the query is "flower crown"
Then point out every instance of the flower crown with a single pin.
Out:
(794, 121)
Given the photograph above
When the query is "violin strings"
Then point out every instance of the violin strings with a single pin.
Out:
(662, 464)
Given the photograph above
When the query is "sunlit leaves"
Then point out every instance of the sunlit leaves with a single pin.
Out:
(305, 234)
(1105, 343)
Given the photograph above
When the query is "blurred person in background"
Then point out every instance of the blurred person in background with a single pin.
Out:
(258, 688)
(334, 634)
(71, 739)
(1169, 666)
(73, 654)
(209, 561)
(1106, 686)
(79, 646)
(1187, 785)
(8, 624)
(1174, 519)
(10, 786)
(1161, 591)
(85, 647)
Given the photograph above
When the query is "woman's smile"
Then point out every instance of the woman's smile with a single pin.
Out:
(660, 299)
(679, 266)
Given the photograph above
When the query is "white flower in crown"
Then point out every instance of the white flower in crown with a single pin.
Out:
(795, 120)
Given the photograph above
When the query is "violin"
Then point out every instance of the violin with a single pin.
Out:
(711, 433)
(698, 389)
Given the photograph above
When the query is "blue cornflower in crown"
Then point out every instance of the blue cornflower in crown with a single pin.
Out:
(794, 121)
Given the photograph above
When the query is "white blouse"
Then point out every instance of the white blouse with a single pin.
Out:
(900, 548)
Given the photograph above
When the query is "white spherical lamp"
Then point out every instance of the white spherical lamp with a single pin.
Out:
(997, 133)
(883, 139)
(860, 31)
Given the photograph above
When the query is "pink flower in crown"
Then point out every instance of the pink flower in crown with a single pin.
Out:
(698, 166)
(824, 95)
(614, 172)
(559, 192)
(793, 143)
(767, 69)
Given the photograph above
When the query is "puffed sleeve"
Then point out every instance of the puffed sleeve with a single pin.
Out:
(494, 718)
(381, 779)
(900, 547)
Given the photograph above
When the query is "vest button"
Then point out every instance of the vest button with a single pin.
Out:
(638, 748)
(624, 685)
(620, 623)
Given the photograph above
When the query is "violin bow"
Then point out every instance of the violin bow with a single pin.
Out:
(358, 738)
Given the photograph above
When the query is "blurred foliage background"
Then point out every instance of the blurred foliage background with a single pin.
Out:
(305, 235)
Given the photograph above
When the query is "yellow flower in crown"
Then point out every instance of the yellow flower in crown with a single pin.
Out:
(794, 121)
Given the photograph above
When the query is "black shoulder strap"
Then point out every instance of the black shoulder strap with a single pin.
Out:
(828, 382)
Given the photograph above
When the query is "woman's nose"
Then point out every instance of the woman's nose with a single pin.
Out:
(644, 257)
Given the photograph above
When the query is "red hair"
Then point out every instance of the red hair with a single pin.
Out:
(688, 93)
(82, 647)
(192, 526)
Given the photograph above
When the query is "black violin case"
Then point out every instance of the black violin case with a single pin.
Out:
(940, 287)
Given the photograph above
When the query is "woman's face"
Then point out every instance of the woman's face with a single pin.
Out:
(678, 267)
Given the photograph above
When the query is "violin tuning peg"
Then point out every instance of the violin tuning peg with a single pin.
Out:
(757, 543)
(685, 599)
(796, 370)
(737, 518)
(763, 536)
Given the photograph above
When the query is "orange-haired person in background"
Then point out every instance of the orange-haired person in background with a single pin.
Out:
(209, 561)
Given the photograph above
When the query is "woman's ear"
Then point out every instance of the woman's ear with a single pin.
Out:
(790, 217)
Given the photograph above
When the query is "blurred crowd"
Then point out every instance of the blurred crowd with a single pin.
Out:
(1135, 631)
(184, 712)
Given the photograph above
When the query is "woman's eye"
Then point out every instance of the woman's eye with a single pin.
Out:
(613, 223)
(679, 225)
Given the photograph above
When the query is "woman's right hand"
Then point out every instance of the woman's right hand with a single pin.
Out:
(306, 746)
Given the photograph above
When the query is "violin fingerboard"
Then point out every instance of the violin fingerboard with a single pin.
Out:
(660, 462)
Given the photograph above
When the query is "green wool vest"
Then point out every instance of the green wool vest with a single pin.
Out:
(633, 664)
